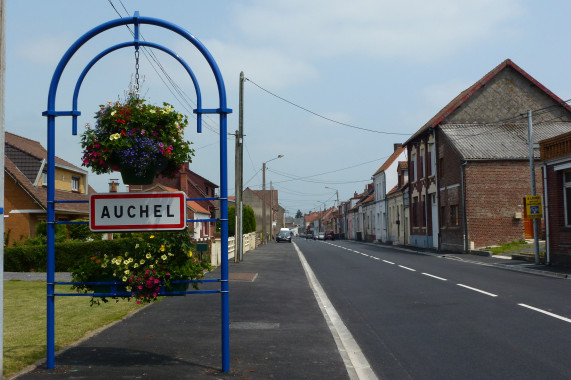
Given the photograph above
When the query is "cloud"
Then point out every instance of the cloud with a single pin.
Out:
(43, 50)
(374, 28)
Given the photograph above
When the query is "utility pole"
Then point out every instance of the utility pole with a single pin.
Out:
(271, 211)
(264, 239)
(238, 175)
(2, 147)
(533, 191)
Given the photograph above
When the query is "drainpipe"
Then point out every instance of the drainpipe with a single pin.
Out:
(546, 215)
(464, 219)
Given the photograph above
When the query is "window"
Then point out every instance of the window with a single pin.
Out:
(454, 219)
(45, 178)
(74, 183)
(412, 167)
(421, 165)
(567, 196)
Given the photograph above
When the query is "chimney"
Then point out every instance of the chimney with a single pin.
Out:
(397, 146)
(183, 180)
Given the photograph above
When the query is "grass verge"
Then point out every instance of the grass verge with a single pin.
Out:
(25, 321)
(514, 246)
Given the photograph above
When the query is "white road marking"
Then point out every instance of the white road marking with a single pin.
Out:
(407, 268)
(436, 277)
(546, 313)
(478, 290)
(376, 258)
(355, 361)
(388, 262)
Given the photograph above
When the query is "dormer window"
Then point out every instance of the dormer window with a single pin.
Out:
(45, 178)
(74, 183)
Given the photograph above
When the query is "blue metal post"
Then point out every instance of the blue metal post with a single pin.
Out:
(224, 243)
(50, 313)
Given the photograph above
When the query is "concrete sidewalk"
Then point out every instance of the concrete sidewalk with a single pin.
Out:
(277, 331)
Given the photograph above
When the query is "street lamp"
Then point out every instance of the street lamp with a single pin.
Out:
(335, 227)
(321, 217)
(264, 237)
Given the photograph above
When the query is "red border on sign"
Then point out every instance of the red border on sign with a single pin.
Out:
(138, 227)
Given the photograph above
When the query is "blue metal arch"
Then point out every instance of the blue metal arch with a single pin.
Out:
(79, 82)
(51, 113)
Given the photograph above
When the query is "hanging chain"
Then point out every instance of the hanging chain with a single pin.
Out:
(137, 72)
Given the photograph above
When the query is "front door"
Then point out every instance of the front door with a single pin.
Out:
(528, 228)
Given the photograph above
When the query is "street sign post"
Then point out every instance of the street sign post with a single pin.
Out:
(533, 208)
(114, 212)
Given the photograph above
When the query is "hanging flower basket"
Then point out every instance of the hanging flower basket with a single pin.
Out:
(152, 265)
(139, 140)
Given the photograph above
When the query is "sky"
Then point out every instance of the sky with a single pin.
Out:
(331, 84)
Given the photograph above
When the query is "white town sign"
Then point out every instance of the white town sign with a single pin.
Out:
(137, 212)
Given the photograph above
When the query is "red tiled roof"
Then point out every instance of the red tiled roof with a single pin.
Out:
(393, 190)
(390, 160)
(470, 91)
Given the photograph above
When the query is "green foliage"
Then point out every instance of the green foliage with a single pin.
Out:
(69, 254)
(299, 214)
(249, 220)
(231, 221)
(82, 232)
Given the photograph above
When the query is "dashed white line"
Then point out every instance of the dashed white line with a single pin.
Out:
(433, 276)
(478, 290)
(407, 268)
(376, 258)
(388, 262)
(546, 313)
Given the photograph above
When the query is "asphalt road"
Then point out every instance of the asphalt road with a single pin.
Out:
(419, 316)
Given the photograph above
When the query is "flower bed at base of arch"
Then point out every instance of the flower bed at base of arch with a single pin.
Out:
(146, 271)
(137, 139)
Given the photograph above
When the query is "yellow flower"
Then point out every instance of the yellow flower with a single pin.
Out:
(151, 111)
(162, 248)
(151, 266)
(137, 245)
(113, 113)
(152, 236)
(114, 136)
(124, 279)
(189, 253)
(148, 255)
(128, 288)
(136, 265)
(164, 257)
(127, 271)
(142, 261)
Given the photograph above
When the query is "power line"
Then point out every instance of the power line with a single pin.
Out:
(321, 116)
(186, 100)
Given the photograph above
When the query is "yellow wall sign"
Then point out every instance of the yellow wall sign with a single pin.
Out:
(533, 208)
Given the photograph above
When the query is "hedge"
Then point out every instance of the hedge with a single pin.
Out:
(68, 254)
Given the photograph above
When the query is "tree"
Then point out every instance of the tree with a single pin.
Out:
(249, 220)
(299, 214)
(231, 220)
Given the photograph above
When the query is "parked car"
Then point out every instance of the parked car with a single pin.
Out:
(309, 236)
(321, 236)
(283, 236)
(329, 235)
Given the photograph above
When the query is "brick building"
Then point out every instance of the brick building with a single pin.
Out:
(556, 157)
(194, 186)
(469, 165)
(25, 190)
